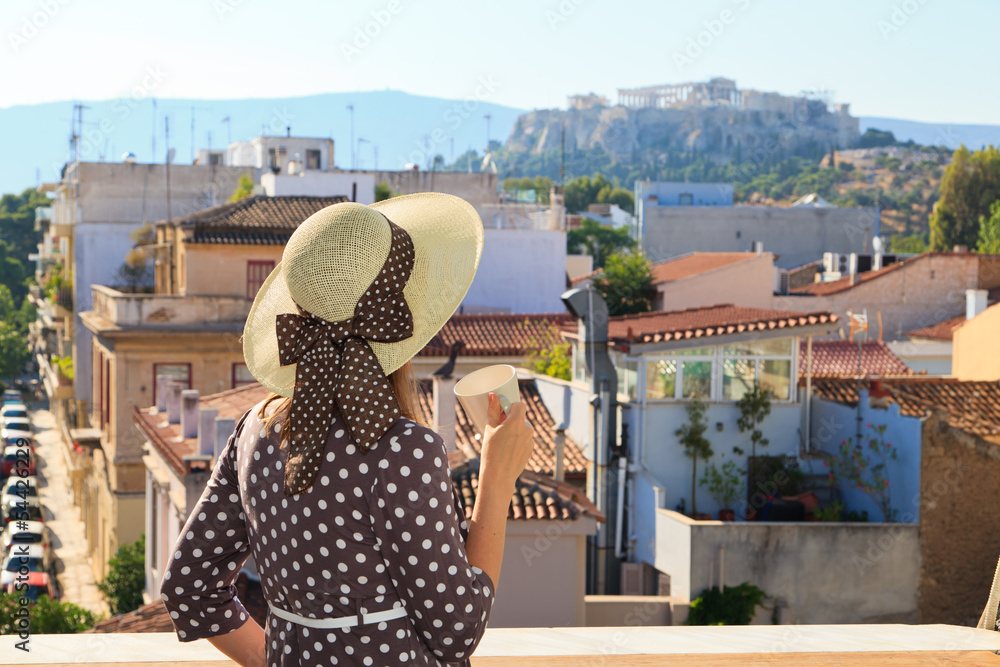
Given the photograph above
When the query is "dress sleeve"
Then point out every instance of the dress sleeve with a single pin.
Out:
(198, 587)
(421, 538)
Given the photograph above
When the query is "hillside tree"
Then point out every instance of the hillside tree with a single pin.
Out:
(970, 185)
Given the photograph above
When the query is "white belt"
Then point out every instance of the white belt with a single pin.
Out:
(343, 621)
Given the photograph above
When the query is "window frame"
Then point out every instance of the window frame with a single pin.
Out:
(233, 384)
(157, 364)
(258, 264)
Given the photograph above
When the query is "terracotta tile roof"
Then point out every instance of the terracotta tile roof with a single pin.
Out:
(684, 266)
(256, 220)
(542, 458)
(844, 284)
(941, 331)
(496, 334)
(695, 263)
(840, 358)
(231, 404)
(704, 322)
(973, 407)
(535, 496)
(153, 617)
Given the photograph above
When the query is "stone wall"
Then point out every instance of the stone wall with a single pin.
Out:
(959, 523)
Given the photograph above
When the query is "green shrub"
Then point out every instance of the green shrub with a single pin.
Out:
(126, 578)
(46, 616)
(733, 605)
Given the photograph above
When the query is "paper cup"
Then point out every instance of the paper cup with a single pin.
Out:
(473, 392)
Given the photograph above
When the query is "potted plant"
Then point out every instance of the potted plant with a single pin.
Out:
(696, 445)
(723, 483)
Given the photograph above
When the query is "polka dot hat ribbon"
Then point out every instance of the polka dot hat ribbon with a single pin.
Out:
(337, 371)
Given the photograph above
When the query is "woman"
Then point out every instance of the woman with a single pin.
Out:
(334, 487)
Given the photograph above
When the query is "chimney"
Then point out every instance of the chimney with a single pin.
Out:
(758, 247)
(559, 471)
(161, 393)
(223, 429)
(975, 302)
(206, 431)
(189, 413)
(174, 390)
(443, 411)
(557, 208)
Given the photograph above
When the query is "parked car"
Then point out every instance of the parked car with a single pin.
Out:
(18, 510)
(13, 424)
(11, 396)
(33, 556)
(12, 406)
(36, 585)
(12, 454)
(18, 487)
(31, 532)
(16, 439)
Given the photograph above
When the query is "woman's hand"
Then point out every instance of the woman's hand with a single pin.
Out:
(507, 444)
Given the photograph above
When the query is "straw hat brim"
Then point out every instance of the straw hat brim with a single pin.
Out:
(447, 236)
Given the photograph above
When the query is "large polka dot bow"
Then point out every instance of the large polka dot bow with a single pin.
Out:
(337, 371)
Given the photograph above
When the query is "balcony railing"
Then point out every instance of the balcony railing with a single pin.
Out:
(155, 310)
(708, 646)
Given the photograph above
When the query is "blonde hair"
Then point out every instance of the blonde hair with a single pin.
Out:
(402, 381)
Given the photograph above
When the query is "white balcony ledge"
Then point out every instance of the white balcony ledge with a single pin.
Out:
(910, 645)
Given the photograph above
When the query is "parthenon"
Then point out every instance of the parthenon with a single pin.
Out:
(716, 92)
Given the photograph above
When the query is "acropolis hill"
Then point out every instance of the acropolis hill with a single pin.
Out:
(707, 117)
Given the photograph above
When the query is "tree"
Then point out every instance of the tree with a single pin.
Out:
(970, 185)
(755, 406)
(14, 353)
(244, 188)
(126, 577)
(46, 616)
(696, 446)
(873, 138)
(626, 283)
(593, 238)
(989, 232)
(548, 352)
(383, 191)
(914, 243)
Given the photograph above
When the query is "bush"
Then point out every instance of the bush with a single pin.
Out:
(126, 578)
(734, 605)
(46, 616)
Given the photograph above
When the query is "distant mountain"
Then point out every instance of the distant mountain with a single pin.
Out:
(34, 139)
(936, 134)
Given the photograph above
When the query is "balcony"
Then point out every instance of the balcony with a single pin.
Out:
(714, 646)
(57, 386)
(114, 309)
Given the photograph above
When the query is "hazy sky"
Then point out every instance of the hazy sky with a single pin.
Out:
(926, 60)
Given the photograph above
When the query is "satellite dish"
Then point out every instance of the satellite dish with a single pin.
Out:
(170, 155)
(878, 245)
(128, 157)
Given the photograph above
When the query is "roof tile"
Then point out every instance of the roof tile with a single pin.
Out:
(840, 358)
(497, 334)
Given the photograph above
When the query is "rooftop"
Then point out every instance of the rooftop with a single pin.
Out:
(706, 322)
(535, 496)
(941, 331)
(840, 358)
(542, 457)
(497, 334)
(166, 438)
(972, 406)
(258, 220)
(695, 263)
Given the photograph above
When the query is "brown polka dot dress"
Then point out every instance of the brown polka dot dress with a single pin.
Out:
(377, 531)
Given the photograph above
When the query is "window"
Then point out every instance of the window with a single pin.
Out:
(175, 372)
(721, 373)
(580, 373)
(685, 199)
(257, 273)
(242, 376)
(312, 158)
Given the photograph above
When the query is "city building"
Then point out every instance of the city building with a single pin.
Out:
(209, 266)
(976, 343)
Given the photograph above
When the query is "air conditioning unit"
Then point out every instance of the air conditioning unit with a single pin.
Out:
(830, 262)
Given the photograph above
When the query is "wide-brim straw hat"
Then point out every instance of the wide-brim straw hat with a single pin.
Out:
(336, 253)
